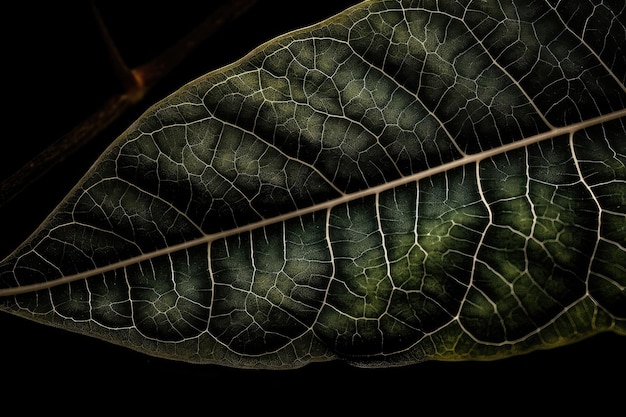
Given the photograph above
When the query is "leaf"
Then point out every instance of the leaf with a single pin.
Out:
(400, 183)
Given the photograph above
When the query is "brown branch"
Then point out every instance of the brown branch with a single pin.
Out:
(156, 69)
(135, 82)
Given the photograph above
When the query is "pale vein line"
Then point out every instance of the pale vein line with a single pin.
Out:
(597, 203)
(206, 239)
(581, 39)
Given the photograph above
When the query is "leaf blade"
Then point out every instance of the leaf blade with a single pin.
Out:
(228, 139)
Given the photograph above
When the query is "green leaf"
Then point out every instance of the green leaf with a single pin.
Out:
(406, 181)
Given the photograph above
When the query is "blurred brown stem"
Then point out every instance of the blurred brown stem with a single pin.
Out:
(135, 82)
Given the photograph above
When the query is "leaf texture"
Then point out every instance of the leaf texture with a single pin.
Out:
(405, 181)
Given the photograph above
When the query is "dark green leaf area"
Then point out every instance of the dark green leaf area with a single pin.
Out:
(457, 74)
(334, 115)
(109, 300)
(530, 44)
(403, 263)
(211, 173)
(607, 279)
(602, 159)
(487, 54)
(601, 152)
(103, 299)
(97, 226)
(537, 251)
(171, 296)
(269, 284)
(586, 20)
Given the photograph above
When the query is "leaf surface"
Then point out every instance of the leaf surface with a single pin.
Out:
(403, 182)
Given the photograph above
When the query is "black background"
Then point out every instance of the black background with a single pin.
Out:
(56, 73)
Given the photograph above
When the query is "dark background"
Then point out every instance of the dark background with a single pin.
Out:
(56, 73)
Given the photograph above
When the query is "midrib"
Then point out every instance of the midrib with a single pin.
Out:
(468, 159)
